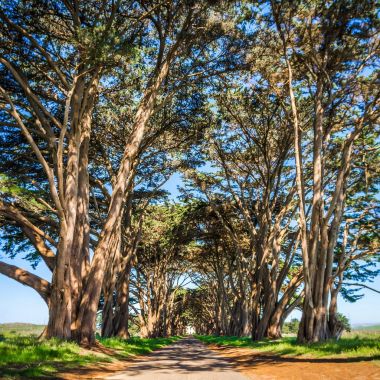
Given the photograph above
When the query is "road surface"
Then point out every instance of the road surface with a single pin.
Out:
(187, 359)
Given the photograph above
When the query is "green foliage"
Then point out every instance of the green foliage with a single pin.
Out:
(291, 327)
(356, 345)
(224, 104)
(344, 321)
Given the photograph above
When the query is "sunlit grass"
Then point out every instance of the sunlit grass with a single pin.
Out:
(27, 357)
(357, 344)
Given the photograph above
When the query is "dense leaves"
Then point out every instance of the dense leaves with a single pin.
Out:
(268, 112)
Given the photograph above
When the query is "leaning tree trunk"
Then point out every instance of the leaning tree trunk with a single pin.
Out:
(92, 290)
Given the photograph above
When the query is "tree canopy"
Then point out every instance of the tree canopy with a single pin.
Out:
(267, 110)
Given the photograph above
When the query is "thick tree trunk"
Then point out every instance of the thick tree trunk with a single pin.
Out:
(257, 292)
(335, 326)
(268, 301)
(109, 285)
(73, 246)
(245, 328)
(80, 259)
(107, 318)
(122, 305)
(59, 325)
(274, 330)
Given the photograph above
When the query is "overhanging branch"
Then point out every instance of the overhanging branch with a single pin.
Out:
(41, 286)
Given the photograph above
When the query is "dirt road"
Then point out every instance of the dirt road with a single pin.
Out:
(187, 359)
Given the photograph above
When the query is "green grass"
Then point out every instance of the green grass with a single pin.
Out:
(27, 357)
(353, 345)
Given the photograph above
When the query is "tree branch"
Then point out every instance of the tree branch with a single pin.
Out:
(41, 286)
(361, 286)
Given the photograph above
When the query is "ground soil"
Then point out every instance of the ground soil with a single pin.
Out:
(186, 359)
(96, 371)
(260, 366)
(250, 363)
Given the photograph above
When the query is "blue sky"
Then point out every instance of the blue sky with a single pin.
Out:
(19, 303)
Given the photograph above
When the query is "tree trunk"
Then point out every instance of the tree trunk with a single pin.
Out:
(92, 290)
(74, 229)
(122, 305)
(80, 259)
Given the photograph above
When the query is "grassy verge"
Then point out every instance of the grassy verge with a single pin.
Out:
(359, 345)
(22, 356)
(26, 357)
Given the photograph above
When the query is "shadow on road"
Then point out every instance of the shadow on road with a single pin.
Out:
(187, 359)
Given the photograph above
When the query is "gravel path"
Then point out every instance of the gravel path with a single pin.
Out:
(187, 359)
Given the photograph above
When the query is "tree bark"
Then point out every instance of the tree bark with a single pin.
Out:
(122, 305)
